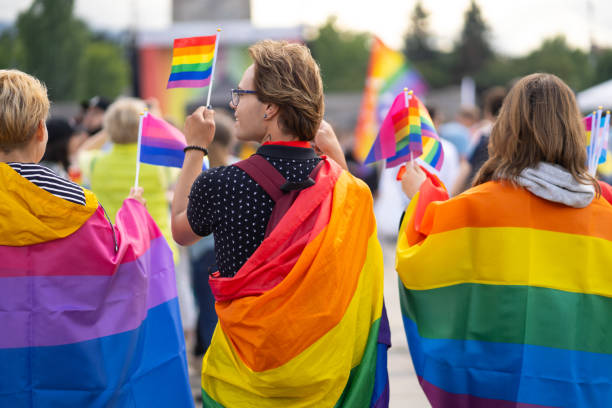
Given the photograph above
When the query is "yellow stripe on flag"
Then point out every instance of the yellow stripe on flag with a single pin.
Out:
(192, 59)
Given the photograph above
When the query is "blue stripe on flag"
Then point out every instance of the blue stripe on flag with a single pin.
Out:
(177, 76)
(161, 156)
(145, 367)
(512, 372)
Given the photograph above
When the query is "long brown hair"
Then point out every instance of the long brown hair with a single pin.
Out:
(539, 122)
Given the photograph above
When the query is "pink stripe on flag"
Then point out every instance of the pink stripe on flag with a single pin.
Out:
(189, 83)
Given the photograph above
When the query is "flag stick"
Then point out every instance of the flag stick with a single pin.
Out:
(212, 73)
(142, 116)
(593, 121)
(595, 142)
(407, 97)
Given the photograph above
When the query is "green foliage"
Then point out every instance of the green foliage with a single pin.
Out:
(105, 70)
(472, 51)
(342, 55)
(53, 42)
(48, 42)
(417, 41)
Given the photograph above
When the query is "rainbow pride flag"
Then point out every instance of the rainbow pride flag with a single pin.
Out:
(302, 323)
(89, 315)
(388, 74)
(192, 62)
(598, 145)
(160, 143)
(506, 298)
(406, 132)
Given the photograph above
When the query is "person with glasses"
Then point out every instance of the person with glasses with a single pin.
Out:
(299, 283)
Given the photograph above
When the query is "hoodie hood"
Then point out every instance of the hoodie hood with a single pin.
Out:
(554, 183)
(30, 215)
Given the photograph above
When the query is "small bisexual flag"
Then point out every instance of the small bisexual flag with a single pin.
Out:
(161, 143)
(192, 62)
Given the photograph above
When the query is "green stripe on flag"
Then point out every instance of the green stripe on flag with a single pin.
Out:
(360, 385)
(191, 67)
(512, 314)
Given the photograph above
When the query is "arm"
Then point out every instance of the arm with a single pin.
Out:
(199, 131)
(327, 143)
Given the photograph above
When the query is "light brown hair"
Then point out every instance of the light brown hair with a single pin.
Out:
(539, 121)
(287, 75)
(122, 118)
(23, 105)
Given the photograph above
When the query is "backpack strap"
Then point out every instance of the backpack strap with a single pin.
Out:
(283, 192)
(264, 174)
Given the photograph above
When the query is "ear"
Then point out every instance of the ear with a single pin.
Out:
(40, 131)
(271, 111)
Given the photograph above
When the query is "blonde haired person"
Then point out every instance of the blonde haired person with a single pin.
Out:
(505, 288)
(76, 291)
(115, 171)
(279, 290)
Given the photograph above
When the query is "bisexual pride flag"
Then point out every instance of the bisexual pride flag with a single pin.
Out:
(89, 315)
(192, 62)
(160, 143)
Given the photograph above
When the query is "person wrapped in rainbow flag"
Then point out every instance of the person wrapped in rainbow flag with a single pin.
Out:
(88, 311)
(504, 289)
(299, 286)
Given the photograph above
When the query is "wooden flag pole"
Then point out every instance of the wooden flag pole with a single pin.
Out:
(212, 73)
(142, 116)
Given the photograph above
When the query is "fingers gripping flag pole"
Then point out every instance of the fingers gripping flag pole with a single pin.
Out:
(212, 74)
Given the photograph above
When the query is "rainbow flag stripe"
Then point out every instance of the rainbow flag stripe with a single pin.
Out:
(516, 313)
(89, 312)
(327, 276)
(192, 61)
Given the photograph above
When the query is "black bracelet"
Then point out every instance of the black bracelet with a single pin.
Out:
(200, 148)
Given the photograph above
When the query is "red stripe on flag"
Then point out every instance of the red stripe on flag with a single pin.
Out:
(194, 41)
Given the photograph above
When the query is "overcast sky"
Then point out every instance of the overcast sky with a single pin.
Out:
(517, 26)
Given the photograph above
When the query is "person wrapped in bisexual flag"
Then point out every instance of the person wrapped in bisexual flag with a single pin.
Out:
(88, 311)
(300, 275)
(505, 288)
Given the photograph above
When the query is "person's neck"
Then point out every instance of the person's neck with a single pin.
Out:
(18, 156)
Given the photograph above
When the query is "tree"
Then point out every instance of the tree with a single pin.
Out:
(104, 71)
(52, 42)
(342, 55)
(556, 57)
(473, 51)
(417, 41)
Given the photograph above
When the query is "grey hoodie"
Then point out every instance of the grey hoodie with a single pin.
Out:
(554, 183)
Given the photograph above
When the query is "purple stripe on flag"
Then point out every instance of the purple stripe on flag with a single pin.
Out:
(383, 400)
(54, 310)
(189, 83)
(440, 398)
(162, 143)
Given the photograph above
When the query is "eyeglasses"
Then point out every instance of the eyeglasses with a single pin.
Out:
(236, 95)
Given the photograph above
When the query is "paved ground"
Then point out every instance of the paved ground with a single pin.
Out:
(405, 389)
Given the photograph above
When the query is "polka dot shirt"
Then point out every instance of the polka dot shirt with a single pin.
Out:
(227, 202)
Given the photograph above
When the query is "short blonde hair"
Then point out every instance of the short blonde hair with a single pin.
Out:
(122, 118)
(287, 75)
(23, 105)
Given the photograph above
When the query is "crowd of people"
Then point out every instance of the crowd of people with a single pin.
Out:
(502, 255)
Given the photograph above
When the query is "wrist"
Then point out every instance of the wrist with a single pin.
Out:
(196, 148)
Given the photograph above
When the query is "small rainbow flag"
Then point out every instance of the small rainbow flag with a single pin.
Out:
(597, 128)
(407, 131)
(388, 74)
(192, 62)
